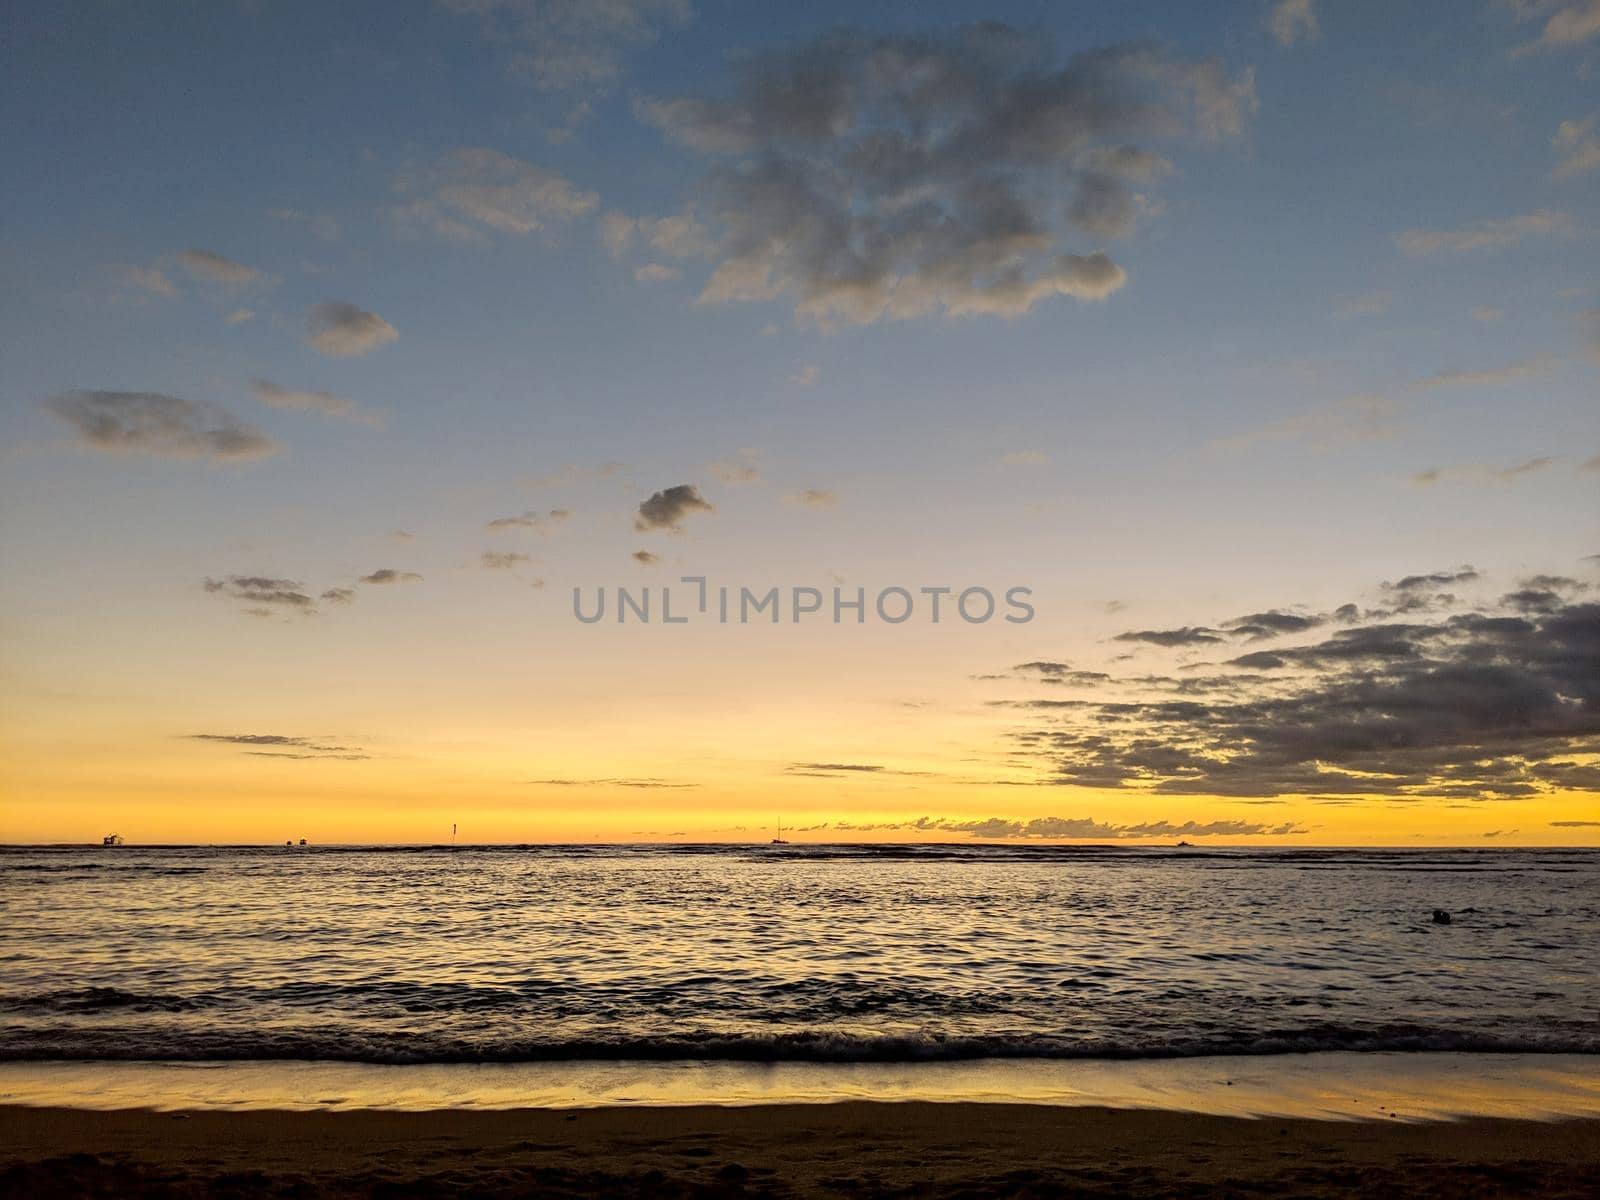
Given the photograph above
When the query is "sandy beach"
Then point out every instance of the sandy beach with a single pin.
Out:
(854, 1149)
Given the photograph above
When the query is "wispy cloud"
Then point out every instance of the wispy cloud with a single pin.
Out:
(324, 403)
(1578, 143)
(812, 498)
(618, 782)
(212, 267)
(472, 193)
(1486, 234)
(156, 424)
(341, 330)
(1292, 22)
(502, 560)
(1483, 472)
(1528, 368)
(386, 575)
(566, 45)
(539, 522)
(278, 745)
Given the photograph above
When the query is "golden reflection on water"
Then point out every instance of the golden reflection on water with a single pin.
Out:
(1330, 1086)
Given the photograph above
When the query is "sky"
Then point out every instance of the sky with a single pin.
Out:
(352, 352)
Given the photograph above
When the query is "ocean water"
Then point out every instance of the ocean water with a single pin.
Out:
(837, 954)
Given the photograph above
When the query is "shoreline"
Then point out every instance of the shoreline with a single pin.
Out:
(1329, 1085)
(849, 1148)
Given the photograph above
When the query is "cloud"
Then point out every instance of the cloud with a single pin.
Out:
(149, 280)
(806, 376)
(624, 783)
(472, 193)
(1572, 25)
(536, 521)
(1025, 458)
(1078, 828)
(1434, 579)
(502, 560)
(656, 273)
(277, 745)
(1187, 636)
(166, 426)
(1579, 147)
(339, 595)
(1368, 304)
(1293, 21)
(339, 329)
(1467, 704)
(565, 45)
(239, 316)
(739, 470)
(213, 268)
(325, 403)
(1486, 314)
(390, 575)
(864, 177)
(1528, 368)
(264, 592)
(1353, 419)
(812, 498)
(320, 224)
(667, 508)
(1482, 472)
(838, 770)
(1485, 235)
(645, 558)
(680, 236)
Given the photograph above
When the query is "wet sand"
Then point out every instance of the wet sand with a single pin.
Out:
(848, 1149)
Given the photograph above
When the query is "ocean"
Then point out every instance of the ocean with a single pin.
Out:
(790, 954)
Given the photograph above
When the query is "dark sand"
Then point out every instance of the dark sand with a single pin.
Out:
(854, 1149)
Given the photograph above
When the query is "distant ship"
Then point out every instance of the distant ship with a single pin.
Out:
(111, 839)
(778, 841)
(1188, 845)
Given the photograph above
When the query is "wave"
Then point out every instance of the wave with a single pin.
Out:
(816, 1046)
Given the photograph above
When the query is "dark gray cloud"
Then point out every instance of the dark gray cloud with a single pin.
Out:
(1059, 673)
(152, 423)
(1077, 828)
(390, 575)
(536, 521)
(339, 595)
(1186, 636)
(667, 508)
(645, 558)
(866, 176)
(341, 330)
(263, 591)
(1257, 626)
(624, 783)
(278, 745)
(1501, 701)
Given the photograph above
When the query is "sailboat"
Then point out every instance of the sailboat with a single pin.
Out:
(111, 839)
(779, 840)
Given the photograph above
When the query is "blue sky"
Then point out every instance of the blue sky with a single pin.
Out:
(1352, 335)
